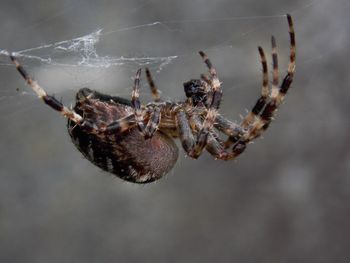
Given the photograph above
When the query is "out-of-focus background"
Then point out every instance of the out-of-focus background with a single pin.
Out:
(286, 199)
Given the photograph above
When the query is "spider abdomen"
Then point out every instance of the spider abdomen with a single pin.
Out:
(128, 155)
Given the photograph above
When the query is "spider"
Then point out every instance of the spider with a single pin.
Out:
(135, 141)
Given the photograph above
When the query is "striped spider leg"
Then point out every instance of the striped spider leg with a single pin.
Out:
(259, 119)
(153, 111)
(153, 87)
(51, 101)
(261, 114)
(48, 100)
(118, 126)
(214, 145)
(192, 146)
(155, 116)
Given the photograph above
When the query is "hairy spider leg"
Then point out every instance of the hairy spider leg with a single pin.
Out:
(262, 114)
(263, 111)
(192, 146)
(136, 104)
(218, 150)
(153, 122)
(263, 121)
(209, 120)
(275, 74)
(49, 100)
(185, 133)
(262, 101)
(227, 127)
(214, 83)
(121, 125)
(152, 125)
(215, 146)
(152, 85)
(206, 83)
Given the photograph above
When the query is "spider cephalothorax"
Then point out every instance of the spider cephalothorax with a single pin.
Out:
(134, 141)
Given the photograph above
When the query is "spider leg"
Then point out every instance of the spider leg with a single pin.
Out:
(152, 85)
(263, 111)
(136, 104)
(121, 125)
(128, 122)
(277, 95)
(192, 146)
(49, 100)
(206, 83)
(213, 81)
(227, 127)
(275, 74)
(153, 123)
(155, 115)
(215, 146)
(260, 103)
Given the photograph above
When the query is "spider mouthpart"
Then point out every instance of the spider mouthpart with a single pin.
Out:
(83, 94)
(193, 87)
(195, 90)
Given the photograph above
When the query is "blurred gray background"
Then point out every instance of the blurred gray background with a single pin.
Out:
(286, 199)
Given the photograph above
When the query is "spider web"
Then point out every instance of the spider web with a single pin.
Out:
(82, 51)
(84, 60)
